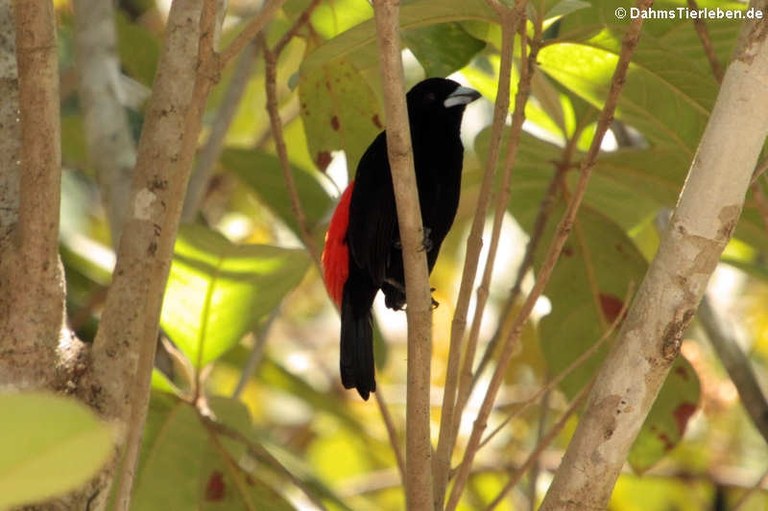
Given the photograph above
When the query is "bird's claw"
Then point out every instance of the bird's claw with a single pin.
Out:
(426, 242)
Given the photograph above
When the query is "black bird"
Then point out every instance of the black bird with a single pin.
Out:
(362, 247)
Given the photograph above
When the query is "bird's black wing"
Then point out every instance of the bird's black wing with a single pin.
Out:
(373, 227)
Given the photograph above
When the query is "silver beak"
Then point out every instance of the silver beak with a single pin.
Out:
(461, 96)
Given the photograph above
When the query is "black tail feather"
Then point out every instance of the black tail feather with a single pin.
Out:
(356, 360)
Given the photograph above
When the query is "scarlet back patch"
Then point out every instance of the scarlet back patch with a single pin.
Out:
(336, 252)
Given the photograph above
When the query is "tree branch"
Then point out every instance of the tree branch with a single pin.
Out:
(449, 418)
(110, 145)
(418, 450)
(706, 214)
(33, 313)
(631, 39)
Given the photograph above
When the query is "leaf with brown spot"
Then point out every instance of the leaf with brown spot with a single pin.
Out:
(667, 421)
(339, 111)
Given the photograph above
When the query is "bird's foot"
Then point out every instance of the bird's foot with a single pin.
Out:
(426, 242)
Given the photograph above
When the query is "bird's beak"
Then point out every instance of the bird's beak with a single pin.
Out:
(461, 96)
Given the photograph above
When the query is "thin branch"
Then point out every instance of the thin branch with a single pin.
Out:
(270, 83)
(418, 452)
(394, 440)
(302, 20)
(250, 32)
(736, 363)
(563, 230)
(449, 418)
(257, 353)
(706, 42)
(259, 453)
(513, 143)
(579, 362)
(543, 443)
(210, 152)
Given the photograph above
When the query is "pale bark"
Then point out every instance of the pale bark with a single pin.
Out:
(32, 298)
(418, 447)
(707, 211)
(111, 150)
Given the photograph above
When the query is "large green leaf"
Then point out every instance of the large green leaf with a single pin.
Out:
(187, 465)
(598, 265)
(217, 291)
(261, 172)
(358, 44)
(442, 49)
(665, 97)
(339, 111)
(48, 445)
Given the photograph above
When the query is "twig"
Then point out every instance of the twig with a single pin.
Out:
(302, 20)
(706, 43)
(418, 452)
(250, 32)
(513, 143)
(542, 218)
(260, 454)
(209, 154)
(580, 360)
(541, 445)
(257, 353)
(270, 83)
(723, 340)
(449, 418)
(394, 441)
(563, 230)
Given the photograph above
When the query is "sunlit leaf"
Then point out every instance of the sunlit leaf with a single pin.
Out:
(358, 44)
(339, 111)
(665, 97)
(49, 444)
(217, 290)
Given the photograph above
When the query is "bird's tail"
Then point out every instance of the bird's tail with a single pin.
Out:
(356, 354)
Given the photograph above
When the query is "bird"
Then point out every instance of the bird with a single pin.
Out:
(362, 252)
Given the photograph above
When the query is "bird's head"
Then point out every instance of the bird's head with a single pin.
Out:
(438, 100)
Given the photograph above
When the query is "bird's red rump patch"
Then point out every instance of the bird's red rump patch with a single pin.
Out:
(336, 252)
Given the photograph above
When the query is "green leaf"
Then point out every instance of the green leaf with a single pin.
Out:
(261, 172)
(668, 418)
(139, 50)
(50, 445)
(598, 265)
(189, 466)
(442, 49)
(358, 44)
(217, 291)
(665, 97)
(339, 111)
